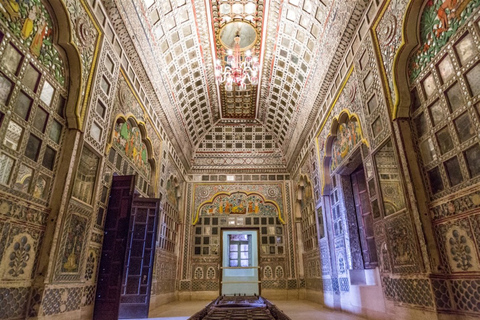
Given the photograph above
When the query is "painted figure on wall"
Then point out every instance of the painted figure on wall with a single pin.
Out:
(347, 137)
(10, 9)
(440, 20)
(42, 32)
(30, 21)
(128, 139)
(27, 28)
(238, 203)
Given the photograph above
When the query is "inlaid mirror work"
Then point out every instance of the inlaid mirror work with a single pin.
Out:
(309, 221)
(444, 82)
(170, 219)
(445, 111)
(32, 102)
(86, 177)
(445, 120)
(388, 173)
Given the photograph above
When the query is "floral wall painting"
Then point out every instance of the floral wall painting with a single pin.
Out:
(238, 203)
(347, 136)
(19, 257)
(127, 138)
(30, 22)
(462, 256)
(440, 20)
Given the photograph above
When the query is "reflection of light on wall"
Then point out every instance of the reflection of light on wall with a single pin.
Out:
(230, 178)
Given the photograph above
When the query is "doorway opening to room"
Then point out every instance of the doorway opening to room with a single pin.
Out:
(240, 266)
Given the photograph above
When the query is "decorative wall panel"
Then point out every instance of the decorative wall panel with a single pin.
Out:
(72, 248)
(416, 292)
(440, 20)
(404, 250)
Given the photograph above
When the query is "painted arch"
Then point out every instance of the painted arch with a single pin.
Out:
(344, 136)
(130, 137)
(239, 202)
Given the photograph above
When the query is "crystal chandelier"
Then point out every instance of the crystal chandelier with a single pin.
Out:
(237, 71)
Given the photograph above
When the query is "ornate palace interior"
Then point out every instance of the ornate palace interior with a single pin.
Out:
(332, 146)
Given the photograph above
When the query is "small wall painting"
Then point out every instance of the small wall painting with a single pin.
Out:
(74, 241)
(347, 136)
(128, 139)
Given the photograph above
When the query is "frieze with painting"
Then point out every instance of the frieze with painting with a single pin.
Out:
(239, 203)
(348, 135)
(127, 138)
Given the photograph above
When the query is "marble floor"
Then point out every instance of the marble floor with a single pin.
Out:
(296, 310)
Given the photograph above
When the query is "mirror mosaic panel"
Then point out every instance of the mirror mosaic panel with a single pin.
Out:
(32, 102)
(447, 130)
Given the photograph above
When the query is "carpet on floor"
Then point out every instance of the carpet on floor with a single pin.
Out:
(240, 308)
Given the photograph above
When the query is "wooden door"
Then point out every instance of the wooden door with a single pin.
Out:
(139, 258)
(114, 244)
(364, 218)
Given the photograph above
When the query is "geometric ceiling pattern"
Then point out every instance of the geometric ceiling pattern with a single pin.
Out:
(178, 43)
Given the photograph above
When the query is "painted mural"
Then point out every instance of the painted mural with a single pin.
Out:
(75, 240)
(440, 20)
(347, 136)
(172, 193)
(128, 139)
(238, 203)
(30, 22)
(270, 192)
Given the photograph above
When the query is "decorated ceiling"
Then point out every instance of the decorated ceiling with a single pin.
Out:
(251, 127)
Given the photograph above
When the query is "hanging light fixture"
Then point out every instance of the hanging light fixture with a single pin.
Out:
(239, 69)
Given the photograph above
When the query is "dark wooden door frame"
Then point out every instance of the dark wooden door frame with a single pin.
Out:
(107, 297)
(364, 218)
(127, 260)
(139, 259)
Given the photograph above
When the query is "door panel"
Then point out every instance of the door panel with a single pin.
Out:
(137, 277)
(114, 244)
(364, 218)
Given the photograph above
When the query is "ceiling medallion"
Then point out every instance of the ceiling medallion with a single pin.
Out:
(239, 66)
(245, 30)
